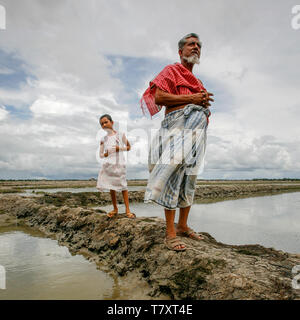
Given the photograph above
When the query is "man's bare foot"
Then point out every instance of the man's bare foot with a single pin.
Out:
(189, 233)
(170, 241)
(174, 244)
(112, 213)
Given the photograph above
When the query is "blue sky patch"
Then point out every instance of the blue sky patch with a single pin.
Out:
(12, 73)
(133, 71)
(24, 114)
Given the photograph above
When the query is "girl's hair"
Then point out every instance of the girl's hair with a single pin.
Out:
(106, 116)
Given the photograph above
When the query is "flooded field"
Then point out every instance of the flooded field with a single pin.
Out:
(272, 221)
(39, 268)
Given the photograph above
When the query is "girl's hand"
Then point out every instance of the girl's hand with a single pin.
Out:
(115, 149)
(111, 151)
(119, 149)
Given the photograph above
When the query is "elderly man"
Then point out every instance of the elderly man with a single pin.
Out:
(177, 152)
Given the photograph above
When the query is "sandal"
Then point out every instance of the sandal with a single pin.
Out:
(190, 233)
(172, 243)
(130, 215)
(112, 214)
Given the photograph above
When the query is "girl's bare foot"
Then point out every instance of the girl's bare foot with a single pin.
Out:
(130, 215)
(112, 213)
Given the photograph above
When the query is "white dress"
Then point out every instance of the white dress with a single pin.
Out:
(112, 175)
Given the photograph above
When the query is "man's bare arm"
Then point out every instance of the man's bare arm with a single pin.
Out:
(168, 99)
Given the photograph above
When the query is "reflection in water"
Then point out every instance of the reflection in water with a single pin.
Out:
(272, 221)
(38, 268)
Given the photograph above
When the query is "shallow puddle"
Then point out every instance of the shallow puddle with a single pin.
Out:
(38, 268)
(34, 267)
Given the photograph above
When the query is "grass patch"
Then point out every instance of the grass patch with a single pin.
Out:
(247, 252)
(10, 190)
(148, 220)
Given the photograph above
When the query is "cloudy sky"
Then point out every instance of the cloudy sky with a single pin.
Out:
(63, 63)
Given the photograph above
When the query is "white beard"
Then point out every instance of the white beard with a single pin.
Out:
(192, 59)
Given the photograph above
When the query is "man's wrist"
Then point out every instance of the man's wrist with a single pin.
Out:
(193, 99)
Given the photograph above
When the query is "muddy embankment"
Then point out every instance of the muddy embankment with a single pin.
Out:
(203, 194)
(206, 270)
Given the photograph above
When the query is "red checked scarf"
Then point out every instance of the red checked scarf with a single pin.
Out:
(175, 79)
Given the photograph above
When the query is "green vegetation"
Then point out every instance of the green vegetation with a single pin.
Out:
(10, 190)
(247, 252)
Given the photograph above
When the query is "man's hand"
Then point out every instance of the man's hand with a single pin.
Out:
(170, 100)
(203, 98)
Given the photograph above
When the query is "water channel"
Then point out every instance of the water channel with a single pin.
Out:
(38, 268)
(271, 221)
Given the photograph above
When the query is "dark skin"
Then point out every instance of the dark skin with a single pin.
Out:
(173, 102)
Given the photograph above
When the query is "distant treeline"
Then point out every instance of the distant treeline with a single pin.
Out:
(283, 179)
(256, 179)
(92, 179)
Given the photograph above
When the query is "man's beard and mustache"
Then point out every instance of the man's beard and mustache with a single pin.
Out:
(192, 59)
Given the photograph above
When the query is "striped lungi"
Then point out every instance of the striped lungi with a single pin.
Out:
(176, 156)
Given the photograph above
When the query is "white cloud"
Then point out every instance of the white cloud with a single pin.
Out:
(249, 58)
(3, 113)
(44, 106)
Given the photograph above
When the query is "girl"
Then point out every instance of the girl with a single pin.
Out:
(112, 175)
